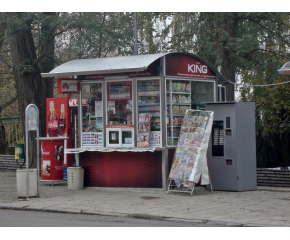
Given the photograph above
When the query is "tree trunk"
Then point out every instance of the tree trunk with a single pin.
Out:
(228, 70)
(29, 85)
(3, 143)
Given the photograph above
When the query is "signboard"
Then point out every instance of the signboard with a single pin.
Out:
(67, 86)
(73, 102)
(31, 124)
(182, 65)
(32, 118)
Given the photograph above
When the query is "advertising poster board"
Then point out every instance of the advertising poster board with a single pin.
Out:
(190, 164)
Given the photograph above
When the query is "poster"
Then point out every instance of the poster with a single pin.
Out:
(111, 108)
(46, 165)
(58, 153)
(155, 138)
(98, 109)
(92, 138)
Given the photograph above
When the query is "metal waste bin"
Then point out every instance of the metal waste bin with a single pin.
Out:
(75, 178)
(21, 183)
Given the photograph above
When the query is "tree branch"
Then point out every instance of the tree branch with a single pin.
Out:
(8, 103)
(263, 50)
(6, 62)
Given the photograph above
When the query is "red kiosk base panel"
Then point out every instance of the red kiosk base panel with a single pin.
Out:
(52, 153)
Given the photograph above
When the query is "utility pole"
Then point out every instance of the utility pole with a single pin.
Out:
(135, 33)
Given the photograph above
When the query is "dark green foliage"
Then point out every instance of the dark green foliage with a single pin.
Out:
(245, 47)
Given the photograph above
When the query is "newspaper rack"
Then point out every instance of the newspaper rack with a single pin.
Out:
(189, 165)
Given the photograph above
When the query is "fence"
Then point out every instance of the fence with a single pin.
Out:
(13, 130)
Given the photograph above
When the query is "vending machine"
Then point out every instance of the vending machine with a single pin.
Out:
(58, 117)
(232, 147)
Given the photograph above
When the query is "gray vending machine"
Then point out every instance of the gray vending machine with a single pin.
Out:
(232, 146)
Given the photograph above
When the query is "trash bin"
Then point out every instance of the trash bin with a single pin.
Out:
(75, 178)
(19, 154)
(19, 151)
(21, 183)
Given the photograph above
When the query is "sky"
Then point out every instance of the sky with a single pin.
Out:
(146, 6)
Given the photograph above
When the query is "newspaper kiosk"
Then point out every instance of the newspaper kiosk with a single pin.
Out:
(129, 127)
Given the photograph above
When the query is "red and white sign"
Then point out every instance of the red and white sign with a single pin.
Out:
(183, 65)
(73, 102)
(67, 85)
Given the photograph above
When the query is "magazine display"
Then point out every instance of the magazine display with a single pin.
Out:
(144, 126)
(187, 152)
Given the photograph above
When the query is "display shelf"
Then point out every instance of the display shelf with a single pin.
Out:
(146, 111)
(178, 100)
(180, 104)
(140, 94)
(187, 93)
(149, 102)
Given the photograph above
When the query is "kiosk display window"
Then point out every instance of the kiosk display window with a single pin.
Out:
(149, 103)
(178, 100)
(119, 128)
(92, 115)
(119, 104)
(180, 96)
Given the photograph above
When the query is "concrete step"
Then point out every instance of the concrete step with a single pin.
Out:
(273, 177)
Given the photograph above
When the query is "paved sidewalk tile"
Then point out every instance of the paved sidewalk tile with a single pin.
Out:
(264, 207)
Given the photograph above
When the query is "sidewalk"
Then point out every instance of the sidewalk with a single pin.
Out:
(268, 206)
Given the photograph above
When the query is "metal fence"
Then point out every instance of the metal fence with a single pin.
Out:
(13, 130)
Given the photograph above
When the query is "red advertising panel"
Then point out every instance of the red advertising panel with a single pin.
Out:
(59, 121)
(182, 65)
(52, 156)
(67, 85)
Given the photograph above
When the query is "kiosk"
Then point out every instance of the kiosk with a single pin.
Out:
(132, 108)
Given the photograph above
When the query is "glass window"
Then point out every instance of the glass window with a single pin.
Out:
(201, 92)
(149, 103)
(119, 108)
(180, 96)
(92, 114)
(127, 137)
(113, 137)
(120, 136)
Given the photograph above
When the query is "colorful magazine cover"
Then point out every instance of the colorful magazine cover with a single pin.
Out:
(188, 147)
(144, 126)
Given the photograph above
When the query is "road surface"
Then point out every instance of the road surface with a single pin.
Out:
(15, 218)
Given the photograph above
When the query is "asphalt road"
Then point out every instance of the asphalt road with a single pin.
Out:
(15, 218)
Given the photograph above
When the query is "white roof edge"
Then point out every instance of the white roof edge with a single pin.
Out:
(67, 74)
(134, 63)
(285, 69)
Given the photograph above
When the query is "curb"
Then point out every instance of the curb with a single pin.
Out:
(137, 216)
